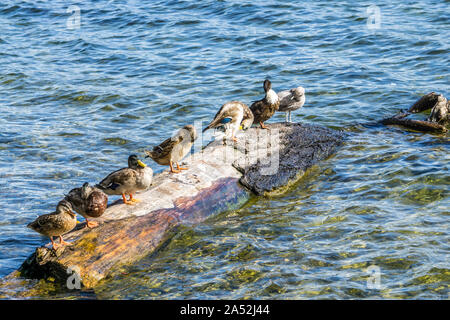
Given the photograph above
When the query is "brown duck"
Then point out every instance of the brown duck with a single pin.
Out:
(265, 108)
(88, 201)
(233, 115)
(57, 223)
(174, 149)
(137, 177)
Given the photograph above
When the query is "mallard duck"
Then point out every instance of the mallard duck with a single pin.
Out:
(89, 202)
(174, 149)
(57, 223)
(232, 115)
(440, 111)
(128, 180)
(265, 108)
(291, 100)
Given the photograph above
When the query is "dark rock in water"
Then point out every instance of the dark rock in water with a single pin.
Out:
(283, 154)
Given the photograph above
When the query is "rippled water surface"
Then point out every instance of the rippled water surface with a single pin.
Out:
(76, 102)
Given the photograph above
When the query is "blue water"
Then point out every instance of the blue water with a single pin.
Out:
(77, 100)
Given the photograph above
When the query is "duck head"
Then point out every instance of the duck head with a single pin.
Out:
(245, 124)
(267, 85)
(86, 190)
(271, 95)
(189, 132)
(298, 92)
(135, 163)
(65, 207)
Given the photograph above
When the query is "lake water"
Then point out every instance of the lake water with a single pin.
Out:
(370, 222)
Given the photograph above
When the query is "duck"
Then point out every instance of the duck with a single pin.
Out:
(174, 149)
(265, 108)
(232, 115)
(126, 181)
(89, 202)
(440, 111)
(291, 100)
(56, 224)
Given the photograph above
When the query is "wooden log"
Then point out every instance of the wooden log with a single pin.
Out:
(419, 125)
(426, 102)
(263, 161)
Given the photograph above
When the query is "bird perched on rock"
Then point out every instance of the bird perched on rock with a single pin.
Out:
(232, 116)
(291, 100)
(440, 112)
(88, 201)
(174, 149)
(128, 180)
(57, 223)
(265, 108)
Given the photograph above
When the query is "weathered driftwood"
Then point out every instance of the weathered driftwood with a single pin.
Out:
(263, 160)
(419, 125)
(426, 102)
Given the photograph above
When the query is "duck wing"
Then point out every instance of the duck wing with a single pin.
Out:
(117, 178)
(96, 203)
(224, 115)
(257, 108)
(248, 114)
(45, 222)
(165, 148)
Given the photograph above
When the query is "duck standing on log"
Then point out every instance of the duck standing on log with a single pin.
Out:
(128, 180)
(291, 100)
(174, 149)
(233, 115)
(88, 201)
(56, 224)
(265, 108)
(440, 112)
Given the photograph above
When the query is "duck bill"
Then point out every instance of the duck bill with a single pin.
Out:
(141, 164)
